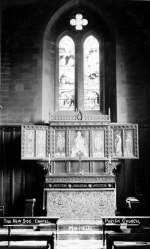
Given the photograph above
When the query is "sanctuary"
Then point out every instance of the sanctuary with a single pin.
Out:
(80, 153)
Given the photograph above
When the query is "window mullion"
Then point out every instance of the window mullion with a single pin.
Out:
(79, 76)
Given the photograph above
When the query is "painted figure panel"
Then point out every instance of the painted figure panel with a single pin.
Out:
(79, 143)
(40, 143)
(128, 143)
(29, 143)
(117, 143)
(98, 143)
(60, 144)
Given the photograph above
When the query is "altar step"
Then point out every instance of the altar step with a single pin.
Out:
(79, 229)
(79, 244)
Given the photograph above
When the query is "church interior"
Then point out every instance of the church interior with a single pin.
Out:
(75, 123)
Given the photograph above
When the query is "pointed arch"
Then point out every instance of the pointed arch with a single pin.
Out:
(49, 77)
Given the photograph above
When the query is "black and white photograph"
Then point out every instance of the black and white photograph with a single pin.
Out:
(74, 124)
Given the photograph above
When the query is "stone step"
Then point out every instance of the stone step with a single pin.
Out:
(80, 244)
(79, 236)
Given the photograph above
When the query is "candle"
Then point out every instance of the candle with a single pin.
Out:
(109, 112)
(49, 158)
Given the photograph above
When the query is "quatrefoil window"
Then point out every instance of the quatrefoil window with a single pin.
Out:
(78, 22)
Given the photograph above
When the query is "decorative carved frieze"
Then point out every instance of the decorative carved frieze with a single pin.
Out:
(110, 167)
(79, 185)
(78, 116)
(81, 179)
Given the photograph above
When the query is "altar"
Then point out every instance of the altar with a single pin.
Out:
(79, 197)
(79, 153)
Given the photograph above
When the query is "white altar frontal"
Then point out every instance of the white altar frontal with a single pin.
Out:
(80, 153)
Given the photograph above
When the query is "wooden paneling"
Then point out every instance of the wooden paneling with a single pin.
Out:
(19, 180)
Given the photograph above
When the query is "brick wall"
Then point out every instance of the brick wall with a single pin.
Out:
(21, 66)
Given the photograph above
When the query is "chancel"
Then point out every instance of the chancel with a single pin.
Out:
(74, 120)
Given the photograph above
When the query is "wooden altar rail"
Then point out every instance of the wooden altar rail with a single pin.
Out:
(131, 245)
(49, 239)
(120, 223)
(29, 222)
(127, 240)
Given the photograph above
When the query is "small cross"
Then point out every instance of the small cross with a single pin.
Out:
(78, 22)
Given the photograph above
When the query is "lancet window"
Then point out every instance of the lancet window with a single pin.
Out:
(79, 87)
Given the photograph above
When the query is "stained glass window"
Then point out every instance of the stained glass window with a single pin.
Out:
(91, 74)
(66, 74)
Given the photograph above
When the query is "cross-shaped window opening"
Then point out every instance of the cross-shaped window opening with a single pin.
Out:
(78, 22)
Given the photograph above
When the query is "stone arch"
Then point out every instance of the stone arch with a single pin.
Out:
(48, 60)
